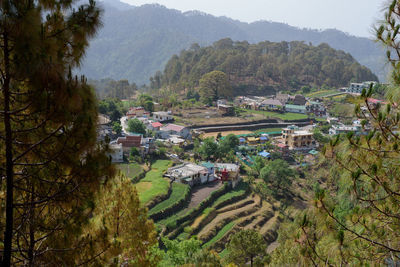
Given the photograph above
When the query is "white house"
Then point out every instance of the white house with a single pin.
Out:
(188, 173)
(161, 116)
(356, 88)
(116, 153)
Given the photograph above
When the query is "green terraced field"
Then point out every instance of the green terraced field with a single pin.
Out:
(153, 184)
(178, 192)
(237, 191)
(282, 116)
(220, 234)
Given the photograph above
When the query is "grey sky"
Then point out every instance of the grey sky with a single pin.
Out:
(353, 16)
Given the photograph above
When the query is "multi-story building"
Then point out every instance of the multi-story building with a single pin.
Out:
(296, 139)
(162, 116)
(316, 108)
(116, 153)
(357, 88)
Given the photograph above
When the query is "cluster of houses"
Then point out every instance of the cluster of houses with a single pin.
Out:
(197, 174)
(284, 103)
(160, 123)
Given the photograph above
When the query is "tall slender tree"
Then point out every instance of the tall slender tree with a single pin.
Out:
(50, 164)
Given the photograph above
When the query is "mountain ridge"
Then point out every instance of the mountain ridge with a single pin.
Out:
(135, 43)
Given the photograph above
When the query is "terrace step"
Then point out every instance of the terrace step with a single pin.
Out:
(211, 229)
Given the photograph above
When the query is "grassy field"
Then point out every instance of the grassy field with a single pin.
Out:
(268, 130)
(131, 170)
(220, 234)
(153, 184)
(237, 191)
(178, 192)
(282, 116)
(322, 93)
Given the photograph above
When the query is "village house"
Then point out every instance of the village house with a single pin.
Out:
(211, 171)
(188, 173)
(296, 139)
(226, 110)
(136, 112)
(174, 129)
(155, 126)
(116, 153)
(340, 129)
(316, 108)
(271, 104)
(299, 100)
(129, 141)
(295, 109)
(228, 172)
(162, 116)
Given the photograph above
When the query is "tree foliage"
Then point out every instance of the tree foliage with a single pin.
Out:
(264, 67)
(278, 175)
(50, 164)
(136, 126)
(355, 218)
(120, 217)
(247, 246)
(214, 85)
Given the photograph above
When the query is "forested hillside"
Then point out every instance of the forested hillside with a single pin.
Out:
(134, 43)
(264, 67)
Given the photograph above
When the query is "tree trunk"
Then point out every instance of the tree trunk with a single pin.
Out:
(9, 157)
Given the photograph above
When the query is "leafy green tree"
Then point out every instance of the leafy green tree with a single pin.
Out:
(143, 98)
(319, 137)
(136, 126)
(208, 149)
(51, 166)
(247, 246)
(228, 144)
(278, 175)
(117, 127)
(179, 253)
(259, 164)
(215, 85)
(149, 106)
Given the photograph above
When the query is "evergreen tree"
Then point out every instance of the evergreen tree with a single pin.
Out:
(51, 164)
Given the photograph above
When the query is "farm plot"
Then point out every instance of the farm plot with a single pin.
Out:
(178, 194)
(153, 184)
(131, 170)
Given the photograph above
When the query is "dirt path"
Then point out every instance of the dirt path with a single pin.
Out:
(200, 193)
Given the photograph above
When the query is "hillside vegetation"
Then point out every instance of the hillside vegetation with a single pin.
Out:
(140, 40)
(264, 67)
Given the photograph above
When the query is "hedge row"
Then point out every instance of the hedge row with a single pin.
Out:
(139, 177)
(174, 208)
(208, 236)
(204, 221)
(232, 200)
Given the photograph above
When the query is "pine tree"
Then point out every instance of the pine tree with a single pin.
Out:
(50, 164)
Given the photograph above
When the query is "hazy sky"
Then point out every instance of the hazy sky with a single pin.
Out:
(352, 16)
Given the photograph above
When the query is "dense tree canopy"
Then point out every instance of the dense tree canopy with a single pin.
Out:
(136, 126)
(264, 67)
(214, 85)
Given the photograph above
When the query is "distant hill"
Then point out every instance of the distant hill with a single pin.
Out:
(263, 68)
(135, 42)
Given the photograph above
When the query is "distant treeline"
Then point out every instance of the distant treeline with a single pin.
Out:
(264, 67)
(109, 88)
